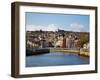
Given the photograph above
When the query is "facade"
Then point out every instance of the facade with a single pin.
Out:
(61, 39)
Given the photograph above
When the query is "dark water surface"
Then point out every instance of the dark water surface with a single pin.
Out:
(54, 59)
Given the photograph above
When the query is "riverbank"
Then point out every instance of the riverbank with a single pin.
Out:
(84, 52)
(65, 51)
(81, 52)
(30, 52)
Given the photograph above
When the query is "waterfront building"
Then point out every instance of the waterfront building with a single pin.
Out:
(63, 41)
(86, 46)
(76, 41)
(58, 43)
(69, 42)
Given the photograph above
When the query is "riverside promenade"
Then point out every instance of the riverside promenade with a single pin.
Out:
(38, 51)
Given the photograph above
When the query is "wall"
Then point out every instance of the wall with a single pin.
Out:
(5, 40)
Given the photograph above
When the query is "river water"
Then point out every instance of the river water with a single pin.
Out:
(55, 59)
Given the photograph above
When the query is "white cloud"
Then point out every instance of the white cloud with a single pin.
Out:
(76, 27)
(33, 27)
(50, 27)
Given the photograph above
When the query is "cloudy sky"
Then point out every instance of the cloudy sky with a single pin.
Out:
(53, 22)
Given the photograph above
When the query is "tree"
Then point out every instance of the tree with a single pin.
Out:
(84, 38)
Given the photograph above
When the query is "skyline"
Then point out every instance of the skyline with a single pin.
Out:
(53, 22)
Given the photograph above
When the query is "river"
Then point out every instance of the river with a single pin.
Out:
(55, 59)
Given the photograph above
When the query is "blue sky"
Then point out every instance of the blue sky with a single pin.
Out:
(52, 22)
